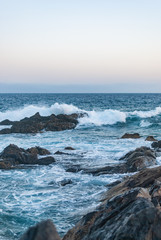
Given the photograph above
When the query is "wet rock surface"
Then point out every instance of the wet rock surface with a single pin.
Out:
(131, 210)
(38, 123)
(151, 139)
(13, 156)
(131, 135)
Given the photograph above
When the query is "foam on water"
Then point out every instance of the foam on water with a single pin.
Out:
(98, 118)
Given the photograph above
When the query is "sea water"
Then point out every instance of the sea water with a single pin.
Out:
(34, 193)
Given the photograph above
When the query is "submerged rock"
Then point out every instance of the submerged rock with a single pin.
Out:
(38, 123)
(66, 182)
(12, 156)
(44, 230)
(131, 135)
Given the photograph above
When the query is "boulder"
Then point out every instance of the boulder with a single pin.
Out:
(44, 230)
(131, 135)
(151, 139)
(12, 156)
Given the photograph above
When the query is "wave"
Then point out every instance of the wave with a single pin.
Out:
(98, 118)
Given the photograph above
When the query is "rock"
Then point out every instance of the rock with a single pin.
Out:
(61, 153)
(127, 212)
(6, 122)
(12, 156)
(37, 123)
(110, 185)
(131, 135)
(139, 159)
(151, 138)
(156, 144)
(69, 148)
(134, 161)
(44, 230)
(38, 150)
(66, 182)
(46, 160)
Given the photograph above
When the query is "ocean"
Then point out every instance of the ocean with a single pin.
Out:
(32, 194)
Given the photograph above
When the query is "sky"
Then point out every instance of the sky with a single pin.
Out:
(80, 46)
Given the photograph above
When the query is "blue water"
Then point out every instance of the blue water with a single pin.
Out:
(27, 195)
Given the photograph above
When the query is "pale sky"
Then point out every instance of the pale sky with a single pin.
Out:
(80, 42)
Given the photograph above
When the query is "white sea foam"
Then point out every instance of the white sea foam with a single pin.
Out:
(98, 118)
(107, 117)
(147, 114)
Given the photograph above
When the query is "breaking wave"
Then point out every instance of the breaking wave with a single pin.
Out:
(98, 118)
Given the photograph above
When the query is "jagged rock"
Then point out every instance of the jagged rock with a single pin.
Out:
(131, 135)
(66, 182)
(69, 148)
(38, 123)
(127, 212)
(134, 161)
(151, 139)
(44, 230)
(12, 156)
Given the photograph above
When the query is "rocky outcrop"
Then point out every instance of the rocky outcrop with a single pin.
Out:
(38, 123)
(131, 135)
(128, 212)
(13, 156)
(44, 230)
(131, 210)
(156, 145)
(133, 161)
(151, 139)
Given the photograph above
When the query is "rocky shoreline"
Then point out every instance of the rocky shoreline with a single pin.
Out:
(129, 210)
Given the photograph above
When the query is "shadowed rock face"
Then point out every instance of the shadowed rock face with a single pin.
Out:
(134, 161)
(42, 231)
(37, 123)
(12, 156)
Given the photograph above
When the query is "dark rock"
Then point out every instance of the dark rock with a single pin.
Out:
(110, 185)
(151, 139)
(131, 135)
(38, 150)
(44, 230)
(127, 212)
(66, 182)
(61, 153)
(156, 144)
(6, 122)
(38, 123)
(46, 160)
(12, 156)
(69, 148)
